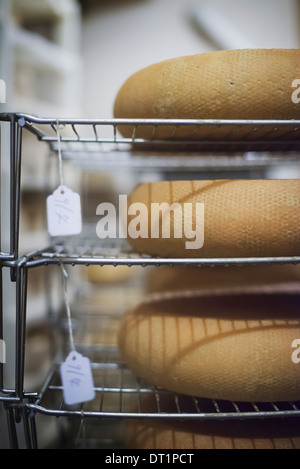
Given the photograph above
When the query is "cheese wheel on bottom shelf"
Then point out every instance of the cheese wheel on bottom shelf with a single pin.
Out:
(234, 347)
(245, 434)
(207, 433)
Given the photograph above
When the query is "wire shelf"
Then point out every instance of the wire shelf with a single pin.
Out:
(86, 250)
(207, 144)
(120, 394)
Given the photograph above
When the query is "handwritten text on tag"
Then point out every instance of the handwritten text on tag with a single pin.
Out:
(64, 212)
(77, 379)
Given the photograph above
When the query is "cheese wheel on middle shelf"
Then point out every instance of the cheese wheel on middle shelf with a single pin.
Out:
(236, 218)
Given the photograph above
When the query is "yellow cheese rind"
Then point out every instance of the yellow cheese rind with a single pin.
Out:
(250, 84)
(242, 218)
(235, 347)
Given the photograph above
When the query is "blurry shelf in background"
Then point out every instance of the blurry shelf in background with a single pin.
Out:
(40, 62)
(30, 240)
(38, 52)
(31, 8)
(41, 56)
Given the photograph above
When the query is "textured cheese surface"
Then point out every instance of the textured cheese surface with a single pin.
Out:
(232, 347)
(161, 433)
(234, 84)
(176, 278)
(247, 434)
(242, 218)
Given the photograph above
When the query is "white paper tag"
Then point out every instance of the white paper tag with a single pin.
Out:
(64, 212)
(77, 379)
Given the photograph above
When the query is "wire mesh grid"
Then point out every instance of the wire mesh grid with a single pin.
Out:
(100, 142)
(119, 393)
(87, 249)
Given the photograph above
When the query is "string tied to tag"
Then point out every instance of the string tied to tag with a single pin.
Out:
(61, 179)
(64, 216)
(67, 303)
(76, 371)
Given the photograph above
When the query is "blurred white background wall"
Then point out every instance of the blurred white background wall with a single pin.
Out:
(122, 36)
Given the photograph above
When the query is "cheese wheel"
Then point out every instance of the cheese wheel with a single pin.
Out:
(109, 274)
(242, 218)
(164, 279)
(234, 347)
(247, 434)
(233, 84)
(163, 433)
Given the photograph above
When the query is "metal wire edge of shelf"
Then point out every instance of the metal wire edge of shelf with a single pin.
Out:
(256, 414)
(47, 258)
(29, 121)
(179, 163)
(82, 251)
(277, 134)
(276, 410)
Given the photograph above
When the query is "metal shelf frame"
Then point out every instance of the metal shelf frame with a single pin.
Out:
(259, 133)
(97, 143)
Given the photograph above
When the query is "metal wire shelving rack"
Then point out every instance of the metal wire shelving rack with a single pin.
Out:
(208, 146)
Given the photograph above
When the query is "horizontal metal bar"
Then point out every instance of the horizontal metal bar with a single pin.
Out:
(18, 400)
(31, 123)
(111, 390)
(151, 121)
(48, 258)
(214, 410)
(177, 416)
(171, 142)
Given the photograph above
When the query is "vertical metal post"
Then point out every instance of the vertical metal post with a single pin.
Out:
(1, 331)
(12, 186)
(21, 302)
(30, 429)
(18, 154)
(15, 154)
(27, 432)
(33, 430)
(1, 187)
(12, 432)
